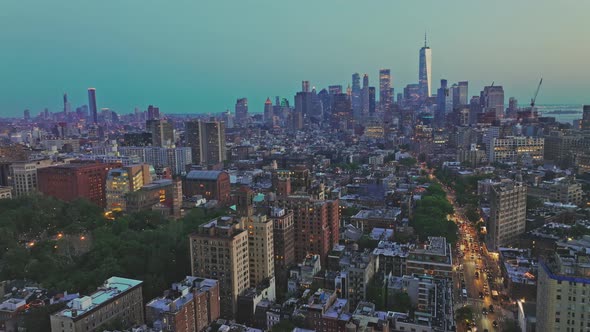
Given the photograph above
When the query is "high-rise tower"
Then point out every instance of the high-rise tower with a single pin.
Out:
(385, 89)
(92, 104)
(365, 95)
(425, 70)
(357, 103)
(241, 110)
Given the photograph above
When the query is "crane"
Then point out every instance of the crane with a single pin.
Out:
(536, 93)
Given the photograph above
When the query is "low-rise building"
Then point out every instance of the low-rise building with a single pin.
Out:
(117, 299)
(433, 258)
(189, 306)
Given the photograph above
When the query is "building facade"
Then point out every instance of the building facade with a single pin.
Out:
(118, 299)
(507, 213)
(219, 250)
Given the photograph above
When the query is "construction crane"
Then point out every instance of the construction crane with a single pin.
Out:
(536, 93)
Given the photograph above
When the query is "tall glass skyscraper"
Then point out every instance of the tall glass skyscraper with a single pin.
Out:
(92, 104)
(425, 70)
(357, 102)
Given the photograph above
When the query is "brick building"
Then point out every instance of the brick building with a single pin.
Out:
(189, 306)
(316, 225)
(69, 182)
(212, 185)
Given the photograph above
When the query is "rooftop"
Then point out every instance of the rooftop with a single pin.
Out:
(112, 288)
(203, 175)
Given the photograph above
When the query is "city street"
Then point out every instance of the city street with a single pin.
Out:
(477, 274)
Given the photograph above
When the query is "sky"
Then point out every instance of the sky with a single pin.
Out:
(199, 56)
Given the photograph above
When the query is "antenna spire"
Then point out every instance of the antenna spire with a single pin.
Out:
(425, 44)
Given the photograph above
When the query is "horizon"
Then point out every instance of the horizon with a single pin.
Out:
(199, 58)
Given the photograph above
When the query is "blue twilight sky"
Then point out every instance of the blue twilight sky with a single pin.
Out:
(198, 56)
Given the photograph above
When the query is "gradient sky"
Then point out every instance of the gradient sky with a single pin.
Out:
(198, 56)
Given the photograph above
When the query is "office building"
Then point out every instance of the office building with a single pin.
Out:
(176, 159)
(73, 181)
(92, 105)
(385, 97)
(425, 71)
(356, 97)
(121, 181)
(162, 132)
(219, 250)
(23, 176)
(517, 149)
(460, 94)
(268, 112)
(206, 140)
(568, 149)
(341, 112)
(492, 99)
(163, 196)
(562, 190)
(191, 305)
(118, 299)
(284, 237)
(365, 96)
(241, 111)
(211, 185)
(507, 213)
(372, 103)
(563, 286)
(153, 113)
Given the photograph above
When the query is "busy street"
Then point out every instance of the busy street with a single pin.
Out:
(476, 278)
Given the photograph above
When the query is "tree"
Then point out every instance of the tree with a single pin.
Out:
(376, 293)
(464, 314)
(533, 203)
(408, 162)
(472, 214)
(283, 326)
(401, 302)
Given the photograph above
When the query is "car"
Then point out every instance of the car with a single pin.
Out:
(491, 308)
(480, 295)
(485, 330)
(476, 275)
(495, 324)
(484, 311)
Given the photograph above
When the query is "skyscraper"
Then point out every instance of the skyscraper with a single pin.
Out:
(365, 95)
(372, 102)
(492, 98)
(357, 103)
(92, 105)
(162, 132)
(460, 93)
(153, 113)
(585, 124)
(66, 104)
(425, 70)
(241, 110)
(206, 140)
(385, 90)
(268, 111)
(305, 86)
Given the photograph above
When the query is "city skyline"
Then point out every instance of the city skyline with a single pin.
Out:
(133, 63)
